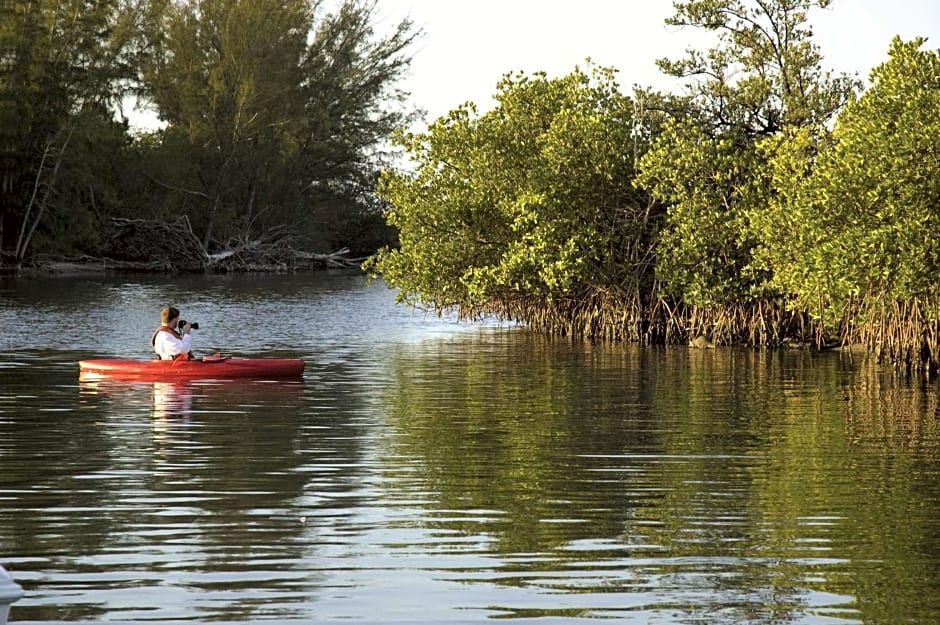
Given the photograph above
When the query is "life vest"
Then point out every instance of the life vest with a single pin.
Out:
(153, 342)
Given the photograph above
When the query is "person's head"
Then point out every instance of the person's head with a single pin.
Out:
(169, 316)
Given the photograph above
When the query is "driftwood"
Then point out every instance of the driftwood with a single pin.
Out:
(337, 259)
(144, 245)
(256, 256)
(155, 245)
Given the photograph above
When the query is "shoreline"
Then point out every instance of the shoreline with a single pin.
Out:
(59, 268)
(71, 268)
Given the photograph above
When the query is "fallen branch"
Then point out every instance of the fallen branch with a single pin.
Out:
(153, 243)
(335, 259)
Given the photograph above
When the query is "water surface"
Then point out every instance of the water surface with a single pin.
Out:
(426, 470)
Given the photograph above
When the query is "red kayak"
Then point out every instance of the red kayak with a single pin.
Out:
(209, 367)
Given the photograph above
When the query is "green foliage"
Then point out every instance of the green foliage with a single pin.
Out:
(276, 116)
(706, 181)
(531, 199)
(764, 75)
(861, 208)
(62, 66)
(762, 78)
(274, 113)
(789, 248)
(89, 187)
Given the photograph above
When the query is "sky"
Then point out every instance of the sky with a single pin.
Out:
(467, 46)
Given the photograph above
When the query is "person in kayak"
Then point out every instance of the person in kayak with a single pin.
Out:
(167, 341)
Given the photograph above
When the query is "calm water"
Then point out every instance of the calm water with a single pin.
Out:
(426, 470)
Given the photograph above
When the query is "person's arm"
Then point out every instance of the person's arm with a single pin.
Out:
(184, 345)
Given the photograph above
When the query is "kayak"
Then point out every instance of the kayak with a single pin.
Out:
(205, 368)
(209, 367)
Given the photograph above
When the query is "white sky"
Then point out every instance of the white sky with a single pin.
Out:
(469, 45)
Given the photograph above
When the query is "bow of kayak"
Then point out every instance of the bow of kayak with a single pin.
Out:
(220, 368)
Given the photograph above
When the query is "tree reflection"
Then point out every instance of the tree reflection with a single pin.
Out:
(770, 480)
(515, 429)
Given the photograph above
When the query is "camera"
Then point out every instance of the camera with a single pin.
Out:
(194, 326)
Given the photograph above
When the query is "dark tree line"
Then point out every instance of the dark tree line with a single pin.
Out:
(274, 119)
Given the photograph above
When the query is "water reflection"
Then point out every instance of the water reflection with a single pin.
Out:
(423, 472)
(171, 399)
(196, 487)
(718, 482)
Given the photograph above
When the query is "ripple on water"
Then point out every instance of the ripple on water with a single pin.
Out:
(435, 472)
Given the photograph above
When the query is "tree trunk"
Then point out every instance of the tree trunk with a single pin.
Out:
(24, 238)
